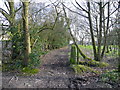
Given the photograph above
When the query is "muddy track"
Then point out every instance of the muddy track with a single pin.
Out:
(55, 72)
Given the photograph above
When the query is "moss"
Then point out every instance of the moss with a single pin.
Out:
(73, 54)
(94, 63)
(81, 68)
(0, 68)
(29, 71)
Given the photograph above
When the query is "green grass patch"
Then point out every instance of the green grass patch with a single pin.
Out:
(29, 71)
(82, 68)
(89, 47)
(112, 53)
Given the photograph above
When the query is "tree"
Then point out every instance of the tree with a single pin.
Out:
(98, 22)
(27, 48)
(91, 31)
(106, 28)
(73, 38)
(118, 40)
(10, 17)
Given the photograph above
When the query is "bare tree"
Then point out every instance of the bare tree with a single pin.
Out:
(99, 24)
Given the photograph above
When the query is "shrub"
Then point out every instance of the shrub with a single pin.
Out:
(12, 65)
(34, 60)
(111, 76)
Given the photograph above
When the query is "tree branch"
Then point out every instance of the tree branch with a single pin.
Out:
(7, 6)
(18, 9)
(111, 14)
(4, 13)
(81, 7)
(75, 12)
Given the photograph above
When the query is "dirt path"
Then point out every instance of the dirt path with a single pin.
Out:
(54, 73)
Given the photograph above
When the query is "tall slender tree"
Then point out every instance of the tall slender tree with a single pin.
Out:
(27, 48)
(91, 31)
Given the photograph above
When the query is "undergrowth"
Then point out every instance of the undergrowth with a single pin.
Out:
(29, 71)
(94, 63)
(111, 76)
(82, 68)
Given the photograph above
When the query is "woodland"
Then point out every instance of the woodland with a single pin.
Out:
(60, 43)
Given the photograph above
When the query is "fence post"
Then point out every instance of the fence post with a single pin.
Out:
(73, 55)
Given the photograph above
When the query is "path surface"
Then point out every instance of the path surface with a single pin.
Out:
(55, 72)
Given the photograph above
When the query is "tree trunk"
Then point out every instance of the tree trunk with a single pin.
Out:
(68, 25)
(91, 31)
(77, 56)
(100, 34)
(118, 31)
(12, 12)
(12, 26)
(27, 48)
(106, 31)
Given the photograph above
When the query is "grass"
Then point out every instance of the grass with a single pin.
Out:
(111, 54)
(29, 71)
(86, 47)
(89, 47)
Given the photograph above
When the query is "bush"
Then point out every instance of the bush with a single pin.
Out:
(12, 65)
(34, 60)
(111, 76)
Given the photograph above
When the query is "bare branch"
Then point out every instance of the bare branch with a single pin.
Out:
(81, 7)
(111, 13)
(104, 5)
(75, 12)
(7, 6)
(4, 13)
(18, 9)
(75, 6)
(41, 9)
